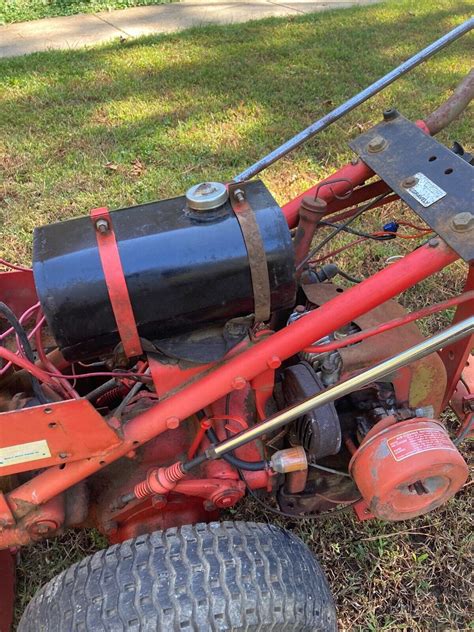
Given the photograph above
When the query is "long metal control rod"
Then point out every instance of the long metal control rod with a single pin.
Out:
(354, 101)
(436, 342)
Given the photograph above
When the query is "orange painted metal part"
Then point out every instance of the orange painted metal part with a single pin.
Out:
(215, 384)
(407, 469)
(68, 431)
(167, 378)
(17, 290)
(455, 356)
(116, 284)
(462, 401)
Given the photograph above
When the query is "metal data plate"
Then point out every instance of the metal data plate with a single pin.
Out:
(444, 181)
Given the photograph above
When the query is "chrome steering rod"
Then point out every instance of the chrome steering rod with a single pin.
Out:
(422, 349)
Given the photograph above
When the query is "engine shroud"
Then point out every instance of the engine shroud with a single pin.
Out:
(183, 269)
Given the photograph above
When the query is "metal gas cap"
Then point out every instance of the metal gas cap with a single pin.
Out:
(206, 196)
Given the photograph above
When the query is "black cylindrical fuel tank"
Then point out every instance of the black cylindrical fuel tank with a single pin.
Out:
(184, 270)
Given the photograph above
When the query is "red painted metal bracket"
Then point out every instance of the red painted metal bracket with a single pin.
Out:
(115, 281)
(17, 289)
(56, 433)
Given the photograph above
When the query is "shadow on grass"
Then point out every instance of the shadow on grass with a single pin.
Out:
(282, 75)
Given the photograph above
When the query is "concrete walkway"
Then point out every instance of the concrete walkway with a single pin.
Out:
(83, 30)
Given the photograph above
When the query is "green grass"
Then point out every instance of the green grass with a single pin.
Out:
(126, 123)
(22, 10)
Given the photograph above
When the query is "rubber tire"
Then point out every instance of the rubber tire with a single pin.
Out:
(239, 576)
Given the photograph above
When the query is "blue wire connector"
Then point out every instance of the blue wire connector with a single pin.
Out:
(391, 227)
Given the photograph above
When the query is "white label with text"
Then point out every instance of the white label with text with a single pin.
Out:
(425, 191)
(24, 452)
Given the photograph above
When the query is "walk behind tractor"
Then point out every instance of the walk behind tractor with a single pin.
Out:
(160, 362)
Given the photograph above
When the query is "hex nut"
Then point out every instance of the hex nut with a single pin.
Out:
(376, 144)
(463, 221)
(102, 226)
(239, 195)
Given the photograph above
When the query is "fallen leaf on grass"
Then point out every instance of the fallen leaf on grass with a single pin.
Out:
(111, 166)
(137, 167)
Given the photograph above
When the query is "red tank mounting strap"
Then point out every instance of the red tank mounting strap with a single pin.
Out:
(255, 250)
(115, 281)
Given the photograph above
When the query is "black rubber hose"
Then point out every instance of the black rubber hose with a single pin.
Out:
(27, 350)
(252, 466)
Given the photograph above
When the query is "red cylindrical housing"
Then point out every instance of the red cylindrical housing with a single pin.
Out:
(408, 469)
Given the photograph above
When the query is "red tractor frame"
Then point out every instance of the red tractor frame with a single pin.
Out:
(154, 464)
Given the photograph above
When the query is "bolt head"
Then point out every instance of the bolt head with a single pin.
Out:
(409, 182)
(172, 423)
(239, 195)
(102, 226)
(378, 143)
(274, 362)
(463, 221)
(238, 383)
(159, 501)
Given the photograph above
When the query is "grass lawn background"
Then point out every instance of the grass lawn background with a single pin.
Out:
(22, 10)
(126, 123)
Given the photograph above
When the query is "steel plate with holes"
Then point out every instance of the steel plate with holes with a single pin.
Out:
(52, 434)
(436, 183)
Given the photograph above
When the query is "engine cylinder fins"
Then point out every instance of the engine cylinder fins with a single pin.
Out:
(408, 469)
(318, 431)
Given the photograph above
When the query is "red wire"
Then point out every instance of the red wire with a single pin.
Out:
(13, 266)
(379, 233)
(402, 222)
(339, 250)
(44, 376)
(66, 388)
(47, 376)
(102, 374)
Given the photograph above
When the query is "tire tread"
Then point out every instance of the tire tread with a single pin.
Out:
(228, 576)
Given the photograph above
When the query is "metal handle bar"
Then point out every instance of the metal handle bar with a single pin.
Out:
(354, 101)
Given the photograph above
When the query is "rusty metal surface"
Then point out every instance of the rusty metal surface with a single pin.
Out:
(255, 251)
(323, 492)
(450, 109)
(408, 151)
(56, 433)
(421, 384)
